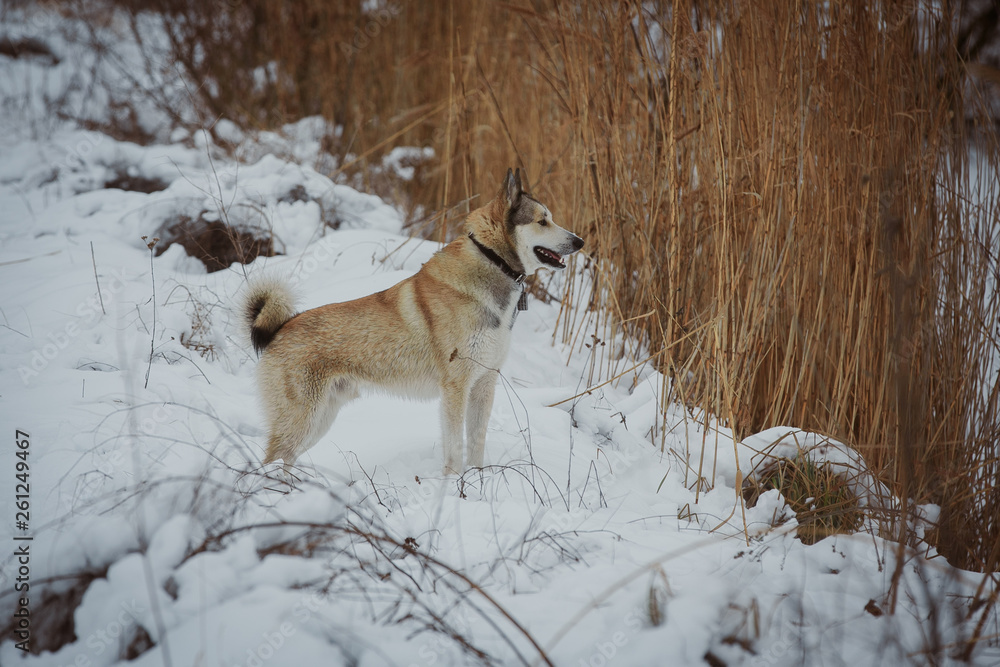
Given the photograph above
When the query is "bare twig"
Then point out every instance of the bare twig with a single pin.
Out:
(93, 260)
(152, 335)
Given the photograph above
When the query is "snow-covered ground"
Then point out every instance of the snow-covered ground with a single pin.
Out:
(127, 394)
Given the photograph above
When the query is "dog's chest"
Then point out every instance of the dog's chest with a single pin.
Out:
(490, 339)
(489, 346)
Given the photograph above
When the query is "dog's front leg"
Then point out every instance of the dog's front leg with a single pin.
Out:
(478, 416)
(454, 398)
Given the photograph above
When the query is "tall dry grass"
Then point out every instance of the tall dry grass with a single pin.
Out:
(784, 191)
(774, 195)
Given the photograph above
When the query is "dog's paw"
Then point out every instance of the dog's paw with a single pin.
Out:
(281, 474)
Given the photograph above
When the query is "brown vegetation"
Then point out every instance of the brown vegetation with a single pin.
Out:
(775, 197)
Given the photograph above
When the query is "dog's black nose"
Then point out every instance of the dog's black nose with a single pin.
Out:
(577, 243)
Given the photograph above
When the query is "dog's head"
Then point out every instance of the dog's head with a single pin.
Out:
(534, 238)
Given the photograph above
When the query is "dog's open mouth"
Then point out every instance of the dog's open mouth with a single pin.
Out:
(546, 256)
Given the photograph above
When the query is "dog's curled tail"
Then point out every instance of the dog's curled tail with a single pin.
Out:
(268, 304)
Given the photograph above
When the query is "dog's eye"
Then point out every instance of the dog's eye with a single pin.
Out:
(543, 222)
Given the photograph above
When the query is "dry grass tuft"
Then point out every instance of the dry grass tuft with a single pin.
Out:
(217, 244)
(200, 337)
(822, 499)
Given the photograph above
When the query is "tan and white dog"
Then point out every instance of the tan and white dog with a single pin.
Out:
(442, 332)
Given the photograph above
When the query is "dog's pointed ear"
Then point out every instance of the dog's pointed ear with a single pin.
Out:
(511, 188)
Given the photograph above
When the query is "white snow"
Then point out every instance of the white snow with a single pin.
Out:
(581, 541)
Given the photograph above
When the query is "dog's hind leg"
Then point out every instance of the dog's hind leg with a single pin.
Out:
(298, 425)
(288, 433)
(478, 416)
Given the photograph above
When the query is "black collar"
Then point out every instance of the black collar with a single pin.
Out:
(499, 261)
